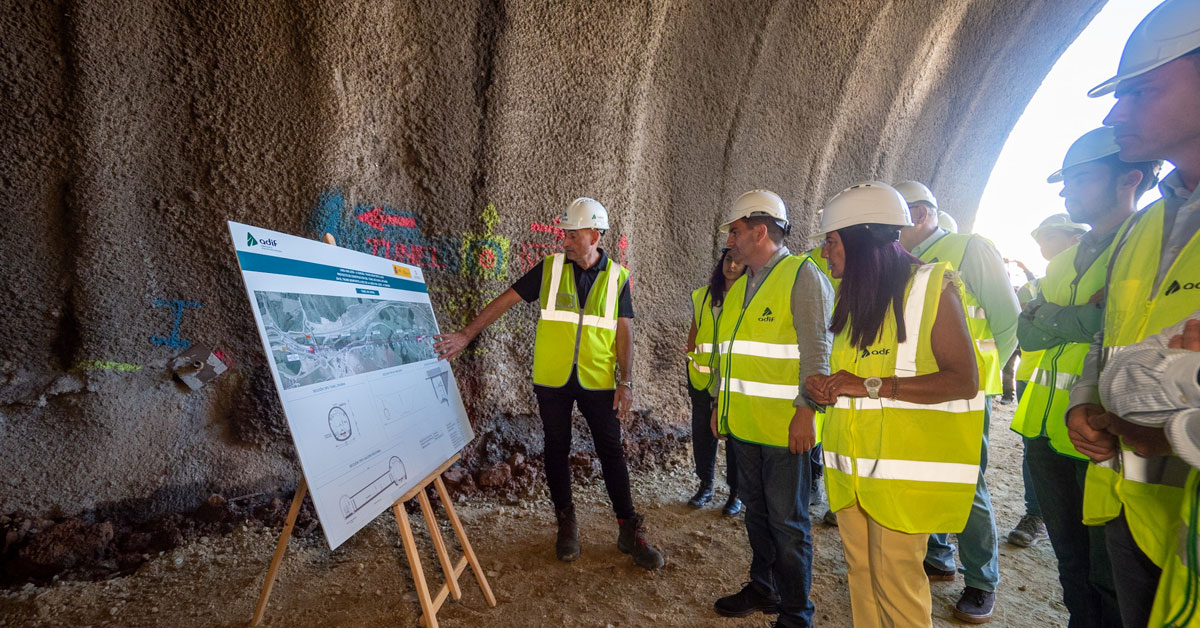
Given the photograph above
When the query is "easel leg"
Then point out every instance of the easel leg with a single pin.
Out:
(439, 545)
(444, 495)
(429, 615)
(280, 548)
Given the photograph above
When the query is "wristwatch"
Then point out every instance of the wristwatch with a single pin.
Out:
(628, 385)
(873, 384)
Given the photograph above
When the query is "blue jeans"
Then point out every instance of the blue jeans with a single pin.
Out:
(1083, 565)
(774, 486)
(977, 542)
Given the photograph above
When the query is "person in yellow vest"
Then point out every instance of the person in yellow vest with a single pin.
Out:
(1054, 235)
(707, 302)
(1137, 487)
(1102, 191)
(904, 407)
(583, 354)
(992, 310)
(772, 334)
(1156, 383)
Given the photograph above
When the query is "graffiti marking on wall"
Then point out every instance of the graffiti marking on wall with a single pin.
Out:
(97, 365)
(178, 307)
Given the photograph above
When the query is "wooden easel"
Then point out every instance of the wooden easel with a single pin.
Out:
(429, 605)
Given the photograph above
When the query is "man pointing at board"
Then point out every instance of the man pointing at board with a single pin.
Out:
(583, 355)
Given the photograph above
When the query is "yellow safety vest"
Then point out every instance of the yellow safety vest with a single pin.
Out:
(565, 330)
(1149, 489)
(1177, 602)
(912, 467)
(823, 264)
(760, 358)
(950, 248)
(1043, 408)
(700, 362)
(1029, 359)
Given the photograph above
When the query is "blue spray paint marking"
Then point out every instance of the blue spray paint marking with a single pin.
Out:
(174, 340)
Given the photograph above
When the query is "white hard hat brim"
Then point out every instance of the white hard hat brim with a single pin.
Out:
(1056, 177)
(1109, 86)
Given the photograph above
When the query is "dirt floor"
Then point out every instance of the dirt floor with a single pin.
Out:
(366, 582)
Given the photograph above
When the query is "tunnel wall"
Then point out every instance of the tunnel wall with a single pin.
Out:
(132, 131)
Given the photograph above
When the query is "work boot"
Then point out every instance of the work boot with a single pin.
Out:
(632, 540)
(975, 606)
(830, 518)
(747, 602)
(1030, 529)
(937, 574)
(703, 495)
(567, 545)
(733, 505)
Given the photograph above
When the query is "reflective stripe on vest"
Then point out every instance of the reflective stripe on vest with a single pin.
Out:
(700, 360)
(760, 358)
(573, 336)
(951, 248)
(1149, 488)
(912, 467)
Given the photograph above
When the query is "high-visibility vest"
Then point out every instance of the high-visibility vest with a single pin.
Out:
(822, 263)
(1177, 601)
(950, 248)
(760, 358)
(700, 360)
(1043, 407)
(1029, 359)
(566, 330)
(912, 467)
(1149, 489)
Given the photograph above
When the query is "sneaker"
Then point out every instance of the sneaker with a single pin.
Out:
(567, 545)
(1007, 399)
(1030, 529)
(937, 574)
(975, 606)
(747, 602)
(703, 495)
(733, 506)
(632, 540)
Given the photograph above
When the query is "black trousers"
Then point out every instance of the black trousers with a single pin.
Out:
(1135, 576)
(704, 444)
(596, 406)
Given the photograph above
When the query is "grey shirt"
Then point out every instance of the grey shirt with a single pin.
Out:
(812, 305)
(984, 276)
(1181, 209)
(1153, 385)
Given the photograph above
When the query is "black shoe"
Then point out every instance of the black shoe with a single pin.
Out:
(975, 606)
(702, 496)
(733, 506)
(632, 540)
(937, 574)
(567, 545)
(747, 602)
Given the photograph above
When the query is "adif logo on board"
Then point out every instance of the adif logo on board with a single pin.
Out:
(266, 243)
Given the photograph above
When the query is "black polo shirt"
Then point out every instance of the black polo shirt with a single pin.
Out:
(530, 285)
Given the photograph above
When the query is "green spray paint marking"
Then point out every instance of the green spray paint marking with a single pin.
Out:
(93, 365)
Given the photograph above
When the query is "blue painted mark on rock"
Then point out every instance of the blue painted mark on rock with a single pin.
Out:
(177, 306)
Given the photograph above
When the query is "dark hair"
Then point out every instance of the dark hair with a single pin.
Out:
(774, 231)
(716, 283)
(874, 277)
(1149, 170)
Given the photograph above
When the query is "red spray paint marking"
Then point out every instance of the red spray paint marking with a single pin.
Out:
(623, 244)
(559, 234)
(380, 220)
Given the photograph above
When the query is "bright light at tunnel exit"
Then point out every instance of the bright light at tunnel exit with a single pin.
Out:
(1017, 196)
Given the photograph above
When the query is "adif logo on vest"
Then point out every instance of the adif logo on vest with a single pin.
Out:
(767, 316)
(868, 353)
(1176, 287)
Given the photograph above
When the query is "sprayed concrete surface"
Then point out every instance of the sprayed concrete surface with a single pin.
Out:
(444, 134)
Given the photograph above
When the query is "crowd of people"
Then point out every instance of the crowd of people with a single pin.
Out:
(861, 374)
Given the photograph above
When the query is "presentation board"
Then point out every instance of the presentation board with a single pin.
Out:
(349, 338)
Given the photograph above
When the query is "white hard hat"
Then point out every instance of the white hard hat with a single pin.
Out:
(947, 222)
(584, 213)
(1095, 144)
(756, 203)
(1170, 31)
(916, 192)
(1062, 222)
(869, 202)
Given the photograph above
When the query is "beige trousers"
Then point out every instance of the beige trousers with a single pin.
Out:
(888, 585)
